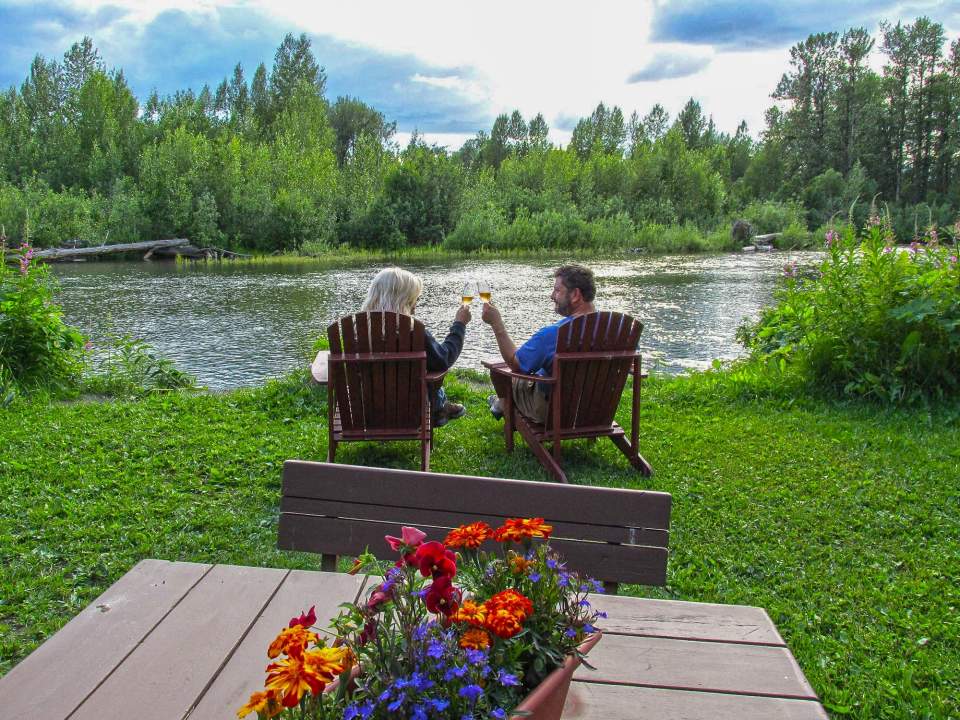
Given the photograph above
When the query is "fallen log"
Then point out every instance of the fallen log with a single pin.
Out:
(765, 239)
(69, 253)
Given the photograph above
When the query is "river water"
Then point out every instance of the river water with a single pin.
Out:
(238, 325)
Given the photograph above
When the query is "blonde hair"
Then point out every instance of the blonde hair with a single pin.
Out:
(393, 290)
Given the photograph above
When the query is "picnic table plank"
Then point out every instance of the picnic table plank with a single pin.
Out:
(696, 665)
(245, 671)
(53, 680)
(626, 702)
(168, 673)
(687, 620)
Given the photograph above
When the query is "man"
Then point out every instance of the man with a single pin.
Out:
(573, 293)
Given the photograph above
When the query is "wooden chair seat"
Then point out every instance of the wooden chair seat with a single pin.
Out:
(385, 434)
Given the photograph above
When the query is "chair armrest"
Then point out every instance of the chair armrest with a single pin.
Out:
(504, 369)
(435, 376)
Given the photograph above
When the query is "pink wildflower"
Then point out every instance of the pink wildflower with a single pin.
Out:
(790, 270)
(830, 237)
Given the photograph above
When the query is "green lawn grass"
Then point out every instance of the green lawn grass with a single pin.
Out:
(842, 521)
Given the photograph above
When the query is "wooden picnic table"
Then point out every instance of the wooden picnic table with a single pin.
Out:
(188, 640)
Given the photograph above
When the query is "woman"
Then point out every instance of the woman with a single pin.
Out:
(396, 290)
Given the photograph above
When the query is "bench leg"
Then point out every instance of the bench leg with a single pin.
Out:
(331, 450)
(635, 458)
(425, 455)
(328, 563)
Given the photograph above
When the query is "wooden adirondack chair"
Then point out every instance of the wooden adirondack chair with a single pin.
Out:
(595, 354)
(378, 381)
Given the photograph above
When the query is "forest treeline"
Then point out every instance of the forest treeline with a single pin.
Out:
(271, 163)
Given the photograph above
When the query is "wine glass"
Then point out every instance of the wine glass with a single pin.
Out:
(483, 290)
(466, 297)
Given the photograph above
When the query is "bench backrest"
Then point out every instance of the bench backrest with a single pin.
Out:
(377, 371)
(594, 356)
(613, 535)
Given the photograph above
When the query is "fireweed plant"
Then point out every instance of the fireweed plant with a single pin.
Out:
(448, 631)
(872, 320)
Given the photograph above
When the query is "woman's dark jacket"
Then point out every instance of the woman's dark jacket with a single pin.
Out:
(442, 356)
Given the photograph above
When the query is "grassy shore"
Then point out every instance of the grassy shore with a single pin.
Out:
(840, 520)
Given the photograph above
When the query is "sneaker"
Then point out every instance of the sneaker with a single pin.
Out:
(495, 409)
(449, 411)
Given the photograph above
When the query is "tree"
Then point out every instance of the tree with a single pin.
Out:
(294, 66)
(655, 123)
(517, 134)
(603, 132)
(260, 98)
(537, 133)
(855, 47)
(498, 146)
(79, 63)
(691, 124)
(351, 119)
(898, 48)
(809, 87)
(238, 98)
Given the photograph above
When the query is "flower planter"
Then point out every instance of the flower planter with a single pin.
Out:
(546, 701)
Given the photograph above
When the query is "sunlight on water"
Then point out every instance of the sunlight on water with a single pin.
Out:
(233, 326)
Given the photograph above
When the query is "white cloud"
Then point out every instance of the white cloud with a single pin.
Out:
(536, 57)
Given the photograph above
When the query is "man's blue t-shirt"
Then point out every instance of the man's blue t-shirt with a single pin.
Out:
(535, 356)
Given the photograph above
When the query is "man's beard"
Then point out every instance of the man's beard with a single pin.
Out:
(563, 307)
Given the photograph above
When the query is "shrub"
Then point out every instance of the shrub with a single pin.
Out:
(130, 368)
(478, 229)
(771, 216)
(37, 348)
(795, 236)
(873, 320)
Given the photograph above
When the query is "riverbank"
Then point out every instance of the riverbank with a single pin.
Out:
(839, 520)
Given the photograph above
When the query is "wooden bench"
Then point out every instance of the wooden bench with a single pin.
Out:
(612, 535)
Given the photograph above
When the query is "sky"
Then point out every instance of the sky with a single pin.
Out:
(447, 69)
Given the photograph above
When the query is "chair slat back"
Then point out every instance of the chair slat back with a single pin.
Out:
(590, 387)
(374, 393)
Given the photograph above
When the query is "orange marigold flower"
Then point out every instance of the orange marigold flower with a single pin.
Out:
(520, 564)
(504, 623)
(266, 703)
(475, 638)
(469, 536)
(512, 602)
(291, 641)
(521, 529)
(471, 613)
(292, 678)
(326, 663)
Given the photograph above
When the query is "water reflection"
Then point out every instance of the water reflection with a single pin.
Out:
(233, 326)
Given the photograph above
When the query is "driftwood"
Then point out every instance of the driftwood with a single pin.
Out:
(765, 239)
(69, 253)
